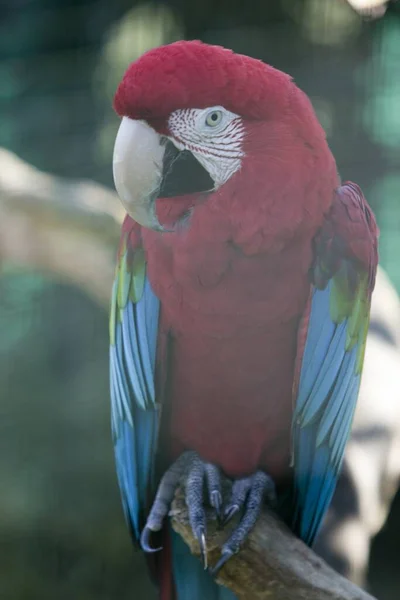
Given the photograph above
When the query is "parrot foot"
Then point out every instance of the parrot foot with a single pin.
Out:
(190, 467)
(162, 502)
(248, 493)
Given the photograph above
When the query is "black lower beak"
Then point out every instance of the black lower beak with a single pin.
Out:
(183, 174)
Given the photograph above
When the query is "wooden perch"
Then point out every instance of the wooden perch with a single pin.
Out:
(272, 565)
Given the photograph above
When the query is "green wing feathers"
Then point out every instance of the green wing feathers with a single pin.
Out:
(347, 255)
(353, 305)
(128, 284)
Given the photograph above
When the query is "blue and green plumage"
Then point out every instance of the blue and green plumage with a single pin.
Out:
(135, 413)
(330, 375)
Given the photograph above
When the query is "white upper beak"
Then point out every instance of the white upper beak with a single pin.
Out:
(137, 169)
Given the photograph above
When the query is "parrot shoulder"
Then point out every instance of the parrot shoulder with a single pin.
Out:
(348, 236)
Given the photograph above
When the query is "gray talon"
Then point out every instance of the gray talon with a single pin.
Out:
(145, 541)
(225, 556)
(216, 502)
(213, 478)
(240, 490)
(229, 512)
(195, 503)
(203, 548)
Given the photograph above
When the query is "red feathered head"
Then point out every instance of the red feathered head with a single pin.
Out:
(210, 127)
(192, 74)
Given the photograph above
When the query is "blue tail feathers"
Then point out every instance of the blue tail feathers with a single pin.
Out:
(192, 582)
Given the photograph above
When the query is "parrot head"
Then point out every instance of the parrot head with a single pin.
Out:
(201, 120)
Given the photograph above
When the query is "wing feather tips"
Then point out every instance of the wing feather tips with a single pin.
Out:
(323, 418)
(124, 449)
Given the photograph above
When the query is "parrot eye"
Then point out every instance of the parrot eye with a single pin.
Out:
(214, 118)
(213, 135)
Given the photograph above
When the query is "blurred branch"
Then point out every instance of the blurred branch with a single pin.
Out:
(69, 228)
(273, 564)
(370, 8)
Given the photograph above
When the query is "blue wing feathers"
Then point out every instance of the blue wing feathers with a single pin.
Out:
(320, 351)
(146, 427)
(152, 314)
(134, 412)
(131, 355)
(147, 321)
(319, 479)
(338, 443)
(327, 394)
(327, 374)
(317, 347)
(325, 499)
(330, 414)
(338, 426)
(304, 458)
(320, 470)
(145, 351)
(120, 386)
(124, 449)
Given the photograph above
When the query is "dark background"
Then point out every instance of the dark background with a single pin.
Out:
(62, 530)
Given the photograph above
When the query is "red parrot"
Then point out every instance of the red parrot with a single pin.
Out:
(240, 306)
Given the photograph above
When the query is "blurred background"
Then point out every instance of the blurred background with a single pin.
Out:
(62, 532)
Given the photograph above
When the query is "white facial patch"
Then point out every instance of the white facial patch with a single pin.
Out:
(213, 135)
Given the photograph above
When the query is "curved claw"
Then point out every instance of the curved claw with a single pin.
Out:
(229, 513)
(203, 547)
(216, 502)
(145, 540)
(225, 556)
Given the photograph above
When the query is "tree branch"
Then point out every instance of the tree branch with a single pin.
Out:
(67, 228)
(370, 8)
(272, 565)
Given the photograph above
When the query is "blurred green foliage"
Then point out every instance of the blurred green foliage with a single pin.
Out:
(60, 61)
(20, 296)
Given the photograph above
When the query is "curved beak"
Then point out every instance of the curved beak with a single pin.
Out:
(148, 166)
(137, 169)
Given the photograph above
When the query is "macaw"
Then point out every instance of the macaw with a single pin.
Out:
(240, 306)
